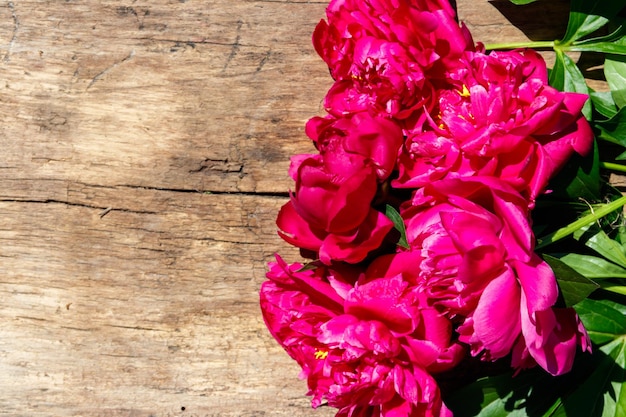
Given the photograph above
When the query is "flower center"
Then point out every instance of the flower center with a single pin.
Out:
(321, 354)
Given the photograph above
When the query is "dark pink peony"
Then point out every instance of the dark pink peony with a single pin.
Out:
(473, 256)
(387, 57)
(331, 210)
(359, 138)
(368, 348)
(501, 119)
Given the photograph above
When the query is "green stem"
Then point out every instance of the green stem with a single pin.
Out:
(613, 167)
(517, 45)
(580, 223)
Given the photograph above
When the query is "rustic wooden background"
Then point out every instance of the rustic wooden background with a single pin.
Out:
(145, 147)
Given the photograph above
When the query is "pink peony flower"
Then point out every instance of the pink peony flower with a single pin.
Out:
(359, 138)
(472, 249)
(331, 211)
(502, 119)
(387, 56)
(368, 348)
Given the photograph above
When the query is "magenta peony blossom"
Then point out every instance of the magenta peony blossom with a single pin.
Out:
(472, 250)
(501, 119)
(368, 348)
(331, 211)
(360, 138)
(388, 56)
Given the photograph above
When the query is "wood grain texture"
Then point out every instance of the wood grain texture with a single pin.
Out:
(145, 147)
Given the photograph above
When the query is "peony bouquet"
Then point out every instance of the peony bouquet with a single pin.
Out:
(465, 254)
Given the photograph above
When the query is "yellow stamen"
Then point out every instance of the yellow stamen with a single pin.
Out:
(465, 92)
(320, 354)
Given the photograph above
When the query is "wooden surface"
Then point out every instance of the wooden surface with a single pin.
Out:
(145, 147)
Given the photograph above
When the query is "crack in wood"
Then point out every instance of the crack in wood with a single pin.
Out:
(264, 60)
(266, 194)
(31, 318)
(236, 242)
(104, 210)
(112, 355)
(235, 46)
(108, 69)
(16, 26)
(149, 329)
(223, 165)
(198, 42)
(80, 329)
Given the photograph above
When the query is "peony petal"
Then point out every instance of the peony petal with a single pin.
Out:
(295, 230)
(552, 337)
(354, 247)
(538, 283)
(386, 300)
(497, 316)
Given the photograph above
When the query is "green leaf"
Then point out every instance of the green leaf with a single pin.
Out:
(522, 2)
(581, 25)
(578, 179)
(595, 238)
(609, 286)
(587, 182)
(580, 225)
(593, 267)
(603, 322)
(615, 306)
(614, 129)
(621, 234)
(566, 76)
(617, 29)
(398, 223)
(603, 103)
(532, 392)
(603, 393)
(594, 388)
(602, 47)
(614, 71)
(574, 286)
(498, 396)
(587, 16)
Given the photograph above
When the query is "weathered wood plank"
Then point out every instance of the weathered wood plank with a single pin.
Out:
(140, 311)
(169, 94)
